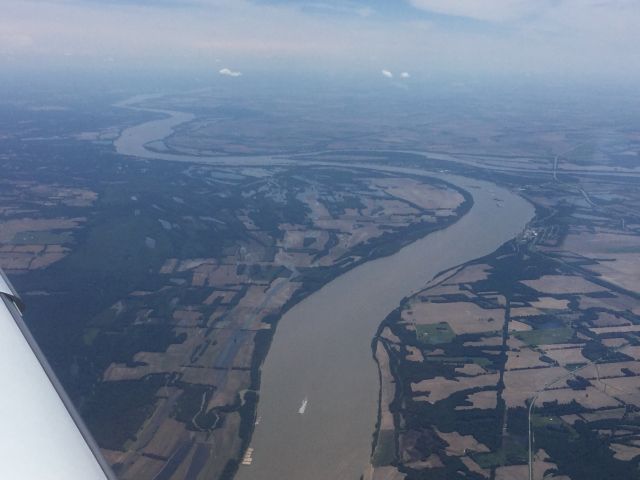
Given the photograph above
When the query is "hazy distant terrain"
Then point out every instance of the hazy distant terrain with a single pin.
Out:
(155, 287)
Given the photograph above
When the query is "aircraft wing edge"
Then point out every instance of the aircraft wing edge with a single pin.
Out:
(90, 469)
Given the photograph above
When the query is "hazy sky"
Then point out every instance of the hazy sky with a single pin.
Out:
(567, 37)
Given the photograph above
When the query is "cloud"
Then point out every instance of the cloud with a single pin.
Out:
(554, 37)
(390, 74)
(486, 10)
(229, 73)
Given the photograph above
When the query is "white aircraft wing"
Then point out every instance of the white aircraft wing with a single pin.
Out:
(41, 435)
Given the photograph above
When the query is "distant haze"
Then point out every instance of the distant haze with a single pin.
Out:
(421, 37)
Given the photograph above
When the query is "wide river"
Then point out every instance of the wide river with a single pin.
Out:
(320, 362)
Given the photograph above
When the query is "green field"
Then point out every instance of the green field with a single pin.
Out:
(385, 452)
(435, 333)
(482, 361)
(546, 336)
(513, 452)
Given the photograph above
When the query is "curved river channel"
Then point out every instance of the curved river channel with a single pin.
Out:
(319, 391)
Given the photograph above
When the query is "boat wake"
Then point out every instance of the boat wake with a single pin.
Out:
(303, 407)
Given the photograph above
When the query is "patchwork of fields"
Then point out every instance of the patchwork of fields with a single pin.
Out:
(540, 335)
